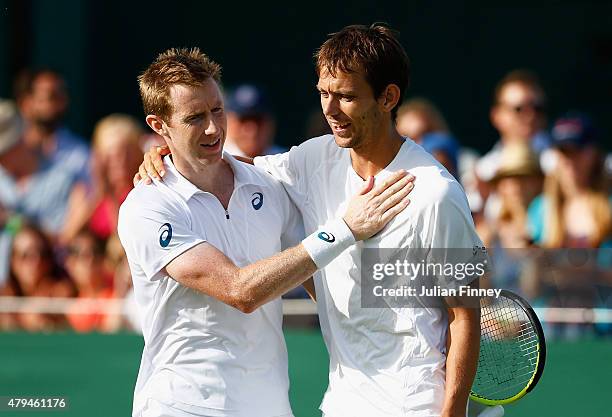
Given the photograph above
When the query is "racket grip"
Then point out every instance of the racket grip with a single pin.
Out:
(497, 411)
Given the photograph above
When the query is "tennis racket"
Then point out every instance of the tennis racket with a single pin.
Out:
(512, 350)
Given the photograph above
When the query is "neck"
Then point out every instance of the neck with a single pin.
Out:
(20, 161)
(376, 154)
(37, 133)
(216, 178)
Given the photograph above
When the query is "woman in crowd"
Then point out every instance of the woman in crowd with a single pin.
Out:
(517, 183)
(34, 273)
(85, 264)
(116, 156)
(575, 208)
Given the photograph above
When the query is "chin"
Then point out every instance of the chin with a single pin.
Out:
(344, 142)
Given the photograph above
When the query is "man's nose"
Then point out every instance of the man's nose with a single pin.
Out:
(213, 127)
(330, 106)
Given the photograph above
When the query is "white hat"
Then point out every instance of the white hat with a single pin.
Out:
(11, 126)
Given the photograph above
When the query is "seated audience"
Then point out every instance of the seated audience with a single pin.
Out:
(86, 267)
(34, 272)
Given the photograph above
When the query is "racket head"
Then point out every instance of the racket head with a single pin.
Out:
(512, 350)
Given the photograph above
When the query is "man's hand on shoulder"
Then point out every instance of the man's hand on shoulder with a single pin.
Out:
(152, 165)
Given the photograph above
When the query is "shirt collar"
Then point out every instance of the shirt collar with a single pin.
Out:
(242, 176)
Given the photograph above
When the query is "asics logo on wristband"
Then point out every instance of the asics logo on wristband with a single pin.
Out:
(257, 200)
(165, 235)
(327, 237)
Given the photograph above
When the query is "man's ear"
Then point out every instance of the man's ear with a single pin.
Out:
(390, 97)
(156, 123)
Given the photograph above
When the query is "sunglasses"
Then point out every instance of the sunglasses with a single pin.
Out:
(522, 108)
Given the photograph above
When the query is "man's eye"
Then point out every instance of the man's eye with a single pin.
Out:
(324, 94)
(217, 110)
(347, 98)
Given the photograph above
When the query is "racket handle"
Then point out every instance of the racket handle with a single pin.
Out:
(497, 411)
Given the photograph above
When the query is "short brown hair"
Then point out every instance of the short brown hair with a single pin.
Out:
(375, 50)
(175, 66)
(520, 76)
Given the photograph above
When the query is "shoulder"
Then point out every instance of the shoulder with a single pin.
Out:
(323, 147)
(433, 184)
(152, 198)
(261, 178)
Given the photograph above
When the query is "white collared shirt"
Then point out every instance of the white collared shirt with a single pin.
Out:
(383, 362)
(201, 355)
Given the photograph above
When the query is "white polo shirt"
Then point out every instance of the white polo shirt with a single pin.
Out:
(383, 362)
(201, 355)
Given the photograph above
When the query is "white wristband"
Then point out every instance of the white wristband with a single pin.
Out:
(328, 242)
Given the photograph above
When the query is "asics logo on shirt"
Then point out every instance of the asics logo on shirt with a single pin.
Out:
(165, 235)
(327, 237)
(257, 200)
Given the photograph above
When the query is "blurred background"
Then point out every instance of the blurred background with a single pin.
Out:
(514, 98)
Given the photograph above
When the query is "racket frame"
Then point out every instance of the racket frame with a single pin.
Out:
(540, 358)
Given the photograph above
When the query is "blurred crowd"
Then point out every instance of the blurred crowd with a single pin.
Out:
(543, 184)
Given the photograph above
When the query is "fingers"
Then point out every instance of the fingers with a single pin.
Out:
(153, 163)
(395, 210)
(158, 162)
(389, 181)
(406, 182)
(368, 186)
(402, 189)
(142, 173)
(137, 178)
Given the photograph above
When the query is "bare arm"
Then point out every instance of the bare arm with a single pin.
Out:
(206, 269)
(462, 358)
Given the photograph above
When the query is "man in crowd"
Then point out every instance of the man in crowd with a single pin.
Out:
(250, 123)
(383, 362)
(519, 115)
(203, 248)
(43, 100)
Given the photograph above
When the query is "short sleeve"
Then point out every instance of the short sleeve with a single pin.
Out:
(293, 228)
(288, 168)
(450, 235)
(154, 235)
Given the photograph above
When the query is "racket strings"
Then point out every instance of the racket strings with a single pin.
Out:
(508, 351)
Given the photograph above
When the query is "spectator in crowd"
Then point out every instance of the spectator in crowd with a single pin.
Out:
(86, 267)
(34, 273)
(444, 148)
(517, 183)
(250, 123)
(418, 117)
(519, 115)
(43, 100)
(116, 155)
(575, 208)
(30, 186)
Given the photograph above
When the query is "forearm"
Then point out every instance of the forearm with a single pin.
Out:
(265, 280)
(462, 360)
